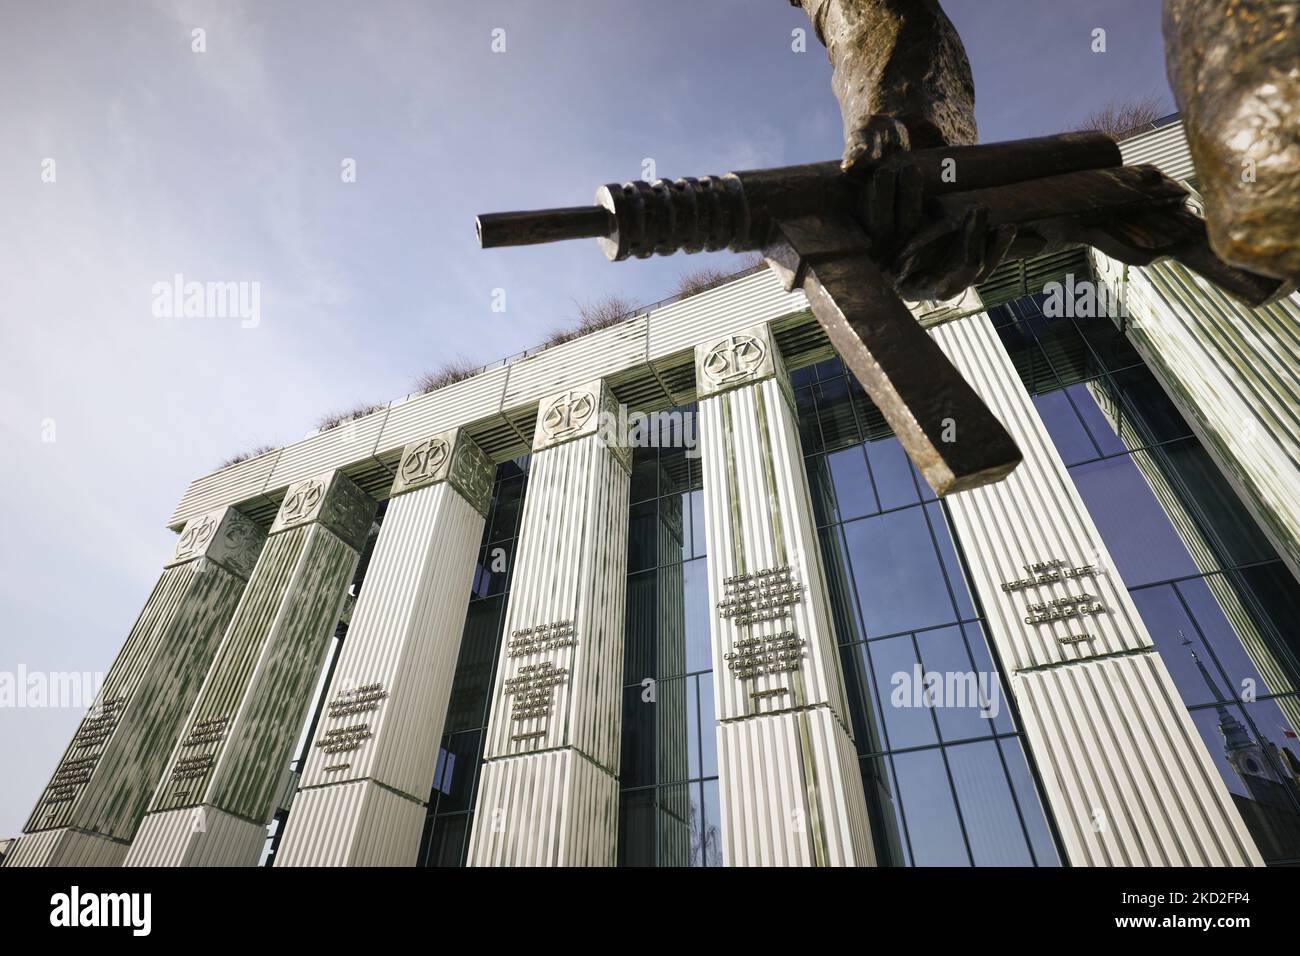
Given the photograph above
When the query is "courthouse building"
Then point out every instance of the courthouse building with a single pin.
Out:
(484, 626)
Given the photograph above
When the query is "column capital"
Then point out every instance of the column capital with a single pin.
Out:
(580, 411)
(450, 456)
(331, 499)
(737, 359)
(225, 536)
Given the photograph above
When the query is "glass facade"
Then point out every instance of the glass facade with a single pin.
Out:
(455, 780)
(1220, 605)
(668, 781)
(944, 766)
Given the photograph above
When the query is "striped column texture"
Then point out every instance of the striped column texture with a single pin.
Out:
(548, 794)
(1231, 370)
(791, 791)
(89, 811)
(1126, 774)
(362, 799)
(230, 763)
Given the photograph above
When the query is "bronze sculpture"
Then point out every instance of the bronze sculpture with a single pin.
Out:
(900, 71)
(1234, 66)
(913, 210)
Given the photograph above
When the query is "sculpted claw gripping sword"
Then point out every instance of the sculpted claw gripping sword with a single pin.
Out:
(890, 222)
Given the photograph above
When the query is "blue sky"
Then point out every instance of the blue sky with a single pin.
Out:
(225, 166)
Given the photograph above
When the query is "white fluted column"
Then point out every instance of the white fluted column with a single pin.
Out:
(791, 790)
(231, 763)
(1127, 776)
(95, 800)
(548, 794)
(365, 786)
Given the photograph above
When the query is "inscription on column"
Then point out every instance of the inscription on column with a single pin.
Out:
(531, 689)
(756, 598)
(364, 699)
(1067, 608)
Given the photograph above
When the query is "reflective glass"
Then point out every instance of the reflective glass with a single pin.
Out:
(988, 810)
(933, 827)
(1136, 530)
(900, 692)
(899, 578)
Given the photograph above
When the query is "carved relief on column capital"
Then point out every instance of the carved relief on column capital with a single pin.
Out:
(580, 411)
(332, 499)
(450, 456)
(740, 358)
(225, 536)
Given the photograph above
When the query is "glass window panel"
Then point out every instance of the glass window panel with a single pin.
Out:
(474, 666)
(1169, 626)
(645, 474)
(933, 828)
(1031, 806)
(922, 486)
(835, 562)
(886, 812)
(1137, 532)
(456, 770)
(810, 435)
(1275, 607)
(698, 528)
(636, 828)
(699, 646)
(864, 708)
(853, 493)
(1111, 347)
(835, 413)
(964, 695)
(908, 722)
(1266, 803)
(871, 423)
(708, 764)
(641, 640)
(1244, 652)
(821, 490)
(891, 472)
(447, 840)
(1149, 406)
(1031, 365)
(674, 529)
(987, 807)
(498, 558)
(508, 505)
(951, 565)
(1230, 531)
(1065, 348)
(638, 765)
(1071, 439)
(1103, 417)
(712, 854)
(677, 728)
(643, 536)
(802, 376)
(899, 579)
(678, 822)
(1001, 709)
(674, 468)
(701, 831)
(829, 368)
